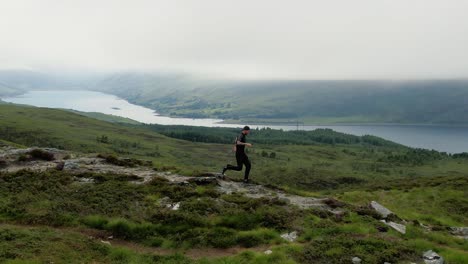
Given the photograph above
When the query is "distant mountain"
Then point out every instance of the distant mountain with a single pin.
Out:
(309, 101)
(19, 81)
(424, 102)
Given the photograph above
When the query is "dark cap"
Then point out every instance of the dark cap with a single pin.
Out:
(246, 128)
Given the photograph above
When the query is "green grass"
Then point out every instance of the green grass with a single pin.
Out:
(421, 187)
(107, 118)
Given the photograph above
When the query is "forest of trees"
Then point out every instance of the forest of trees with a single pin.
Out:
(268, 136)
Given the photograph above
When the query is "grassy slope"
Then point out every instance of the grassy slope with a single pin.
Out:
(107, 118)
(414, 192)
(303, 167)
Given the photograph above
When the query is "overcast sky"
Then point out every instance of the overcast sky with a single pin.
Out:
(327, 39)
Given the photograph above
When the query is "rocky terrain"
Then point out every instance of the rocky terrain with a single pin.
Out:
(141, 172)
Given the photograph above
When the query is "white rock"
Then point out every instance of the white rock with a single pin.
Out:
(384, 212)
(398, 227)
(291, 237)
(430, 257)
(106, 242)
(175, 207)
(268, 252)
(356, 260)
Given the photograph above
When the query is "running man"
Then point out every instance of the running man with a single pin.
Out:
(241, 156)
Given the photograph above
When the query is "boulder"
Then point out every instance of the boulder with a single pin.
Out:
(356, 260)
(430, 257)
(291, 237)
(384, 212)
(268, 252)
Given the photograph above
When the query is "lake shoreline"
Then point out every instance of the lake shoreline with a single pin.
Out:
(451, 138)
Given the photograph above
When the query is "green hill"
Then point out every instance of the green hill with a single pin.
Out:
(41, 212)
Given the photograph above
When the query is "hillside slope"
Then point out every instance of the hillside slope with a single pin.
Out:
(132, 211)
(325, 160)
(115, 210)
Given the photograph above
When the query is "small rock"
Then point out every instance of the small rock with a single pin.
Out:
(268, 252)
(59, 166)
(387, 263)
(175, 207)
(106, 242)
(291, 237)
(356, 260)
(382, 229)
(384, 212)
(165, 201)
(430, 257)
(398, 227)
(71, 165)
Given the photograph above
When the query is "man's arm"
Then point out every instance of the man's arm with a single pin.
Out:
(244, 144)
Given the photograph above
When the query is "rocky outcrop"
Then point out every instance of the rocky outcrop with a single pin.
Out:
(259, 191)
(387, 217)
(79, 164)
